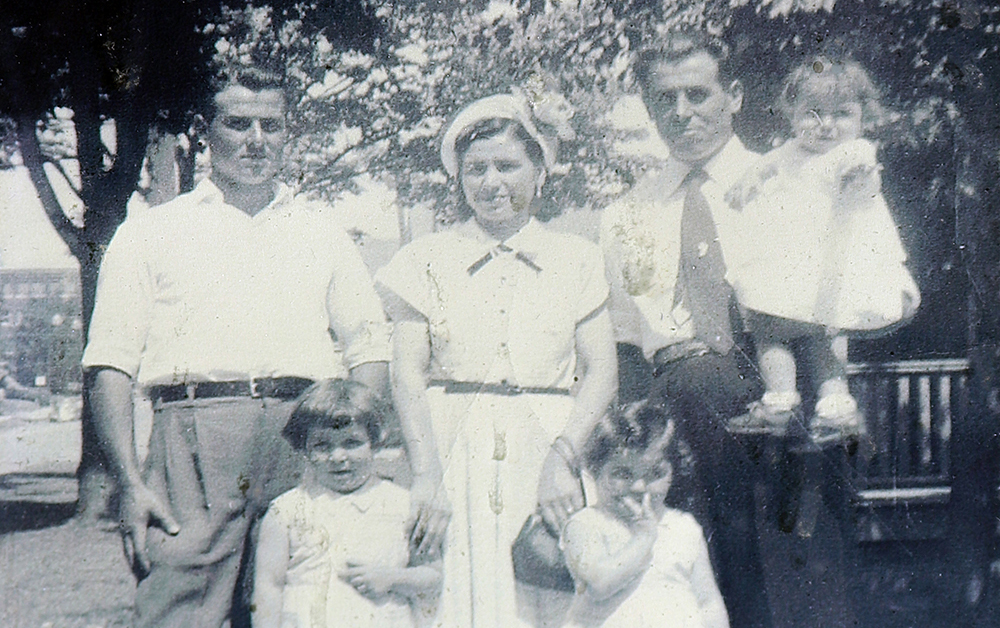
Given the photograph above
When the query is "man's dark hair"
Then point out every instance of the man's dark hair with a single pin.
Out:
(675, 46)
(253, 77)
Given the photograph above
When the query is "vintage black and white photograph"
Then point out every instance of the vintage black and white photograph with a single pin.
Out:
(500, 313)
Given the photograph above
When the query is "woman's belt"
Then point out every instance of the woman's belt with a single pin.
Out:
(273, 387)
(452, 386)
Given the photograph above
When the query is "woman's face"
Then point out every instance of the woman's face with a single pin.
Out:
(499, 181)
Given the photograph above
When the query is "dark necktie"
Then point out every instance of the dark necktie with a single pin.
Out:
(703, 272)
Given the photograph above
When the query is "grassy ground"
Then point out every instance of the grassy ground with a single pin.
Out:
(58, 573)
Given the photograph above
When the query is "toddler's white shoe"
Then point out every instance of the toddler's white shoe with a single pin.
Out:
(837, 420)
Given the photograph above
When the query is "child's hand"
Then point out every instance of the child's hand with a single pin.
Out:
(371, 581)
(860, 182)
(646, 519)
(911, 302)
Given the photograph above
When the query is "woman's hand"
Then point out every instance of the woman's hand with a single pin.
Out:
(430, 512)
(559, 491)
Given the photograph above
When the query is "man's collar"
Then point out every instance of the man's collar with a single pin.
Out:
(729, 164)
(207, 192)
(725, 167)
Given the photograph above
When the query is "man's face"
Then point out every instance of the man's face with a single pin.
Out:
(691, 109)
(247, 136)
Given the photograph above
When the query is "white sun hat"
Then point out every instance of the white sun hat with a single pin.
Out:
(498, 106)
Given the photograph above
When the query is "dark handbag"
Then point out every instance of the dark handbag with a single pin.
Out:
(538, 561)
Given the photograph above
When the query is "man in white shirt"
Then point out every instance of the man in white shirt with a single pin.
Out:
(664, 246)
(224, 304)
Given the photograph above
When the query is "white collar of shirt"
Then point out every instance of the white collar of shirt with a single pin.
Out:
(362, 499)
(207, 193)
(724, 168)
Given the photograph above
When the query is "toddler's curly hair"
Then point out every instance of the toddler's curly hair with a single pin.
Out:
(846, 80)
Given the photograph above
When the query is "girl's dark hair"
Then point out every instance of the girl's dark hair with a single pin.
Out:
(334, 403)
(633, 426)
(845, 79)
(487, 129)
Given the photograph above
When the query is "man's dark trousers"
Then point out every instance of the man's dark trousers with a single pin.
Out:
(704, 392)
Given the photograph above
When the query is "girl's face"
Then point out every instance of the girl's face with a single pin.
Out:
(627, 476)
(499, 181)
(341, 458)
(823, 122)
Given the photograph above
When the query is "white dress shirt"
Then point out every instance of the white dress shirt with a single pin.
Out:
(198, 290)
(641, 240)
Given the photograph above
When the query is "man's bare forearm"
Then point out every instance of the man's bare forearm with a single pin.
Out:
(111, 403)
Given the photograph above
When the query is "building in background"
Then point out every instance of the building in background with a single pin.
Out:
(41, 328)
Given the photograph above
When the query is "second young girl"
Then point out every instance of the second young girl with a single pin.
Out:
(635, 561)
(819, 253)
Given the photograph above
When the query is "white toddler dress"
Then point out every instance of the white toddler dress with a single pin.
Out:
(810, 251)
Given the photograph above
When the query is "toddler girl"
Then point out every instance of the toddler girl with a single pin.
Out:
(818, 253)
(334, 551)
(635, 561)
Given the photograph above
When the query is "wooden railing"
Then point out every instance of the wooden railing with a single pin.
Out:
(910, 408)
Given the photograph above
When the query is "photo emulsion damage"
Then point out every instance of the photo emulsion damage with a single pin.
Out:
(493, 313)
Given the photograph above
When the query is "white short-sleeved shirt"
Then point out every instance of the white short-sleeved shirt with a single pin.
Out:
(326, 533)
(198, 290)
(641, 240)
(670, 593)
(497, 315)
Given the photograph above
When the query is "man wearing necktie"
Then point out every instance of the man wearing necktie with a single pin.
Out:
(664, 245)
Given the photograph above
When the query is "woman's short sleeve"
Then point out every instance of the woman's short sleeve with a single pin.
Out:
(593, 291)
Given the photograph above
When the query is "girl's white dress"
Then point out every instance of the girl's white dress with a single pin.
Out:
(671, 593)
(496, 313)
(326, 532)
(807, 251)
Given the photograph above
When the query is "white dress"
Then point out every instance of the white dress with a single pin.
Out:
(326, 532)
(671, 593)
(807, 252)
(495, 314)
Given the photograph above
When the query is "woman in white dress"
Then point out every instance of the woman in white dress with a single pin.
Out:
(503, 362)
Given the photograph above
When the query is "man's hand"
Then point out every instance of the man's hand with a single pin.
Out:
(140, 508)
(430, 513)
(559, 491)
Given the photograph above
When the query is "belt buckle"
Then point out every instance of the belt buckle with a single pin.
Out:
(510, 390)
(255, 388)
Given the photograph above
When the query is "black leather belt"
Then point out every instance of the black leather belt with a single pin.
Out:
(502, 388)
(273, 387)
(678, 351)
